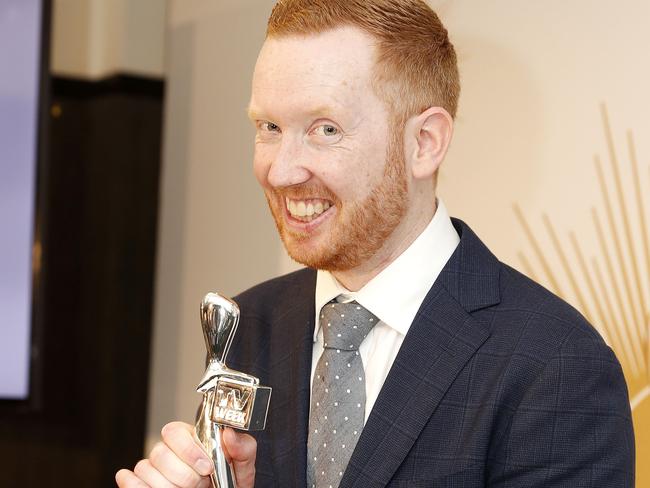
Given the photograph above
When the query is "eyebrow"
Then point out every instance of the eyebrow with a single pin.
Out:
(318, 111)
(321, 111)
(252, 113)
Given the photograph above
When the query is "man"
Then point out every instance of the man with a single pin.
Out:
(469, 374)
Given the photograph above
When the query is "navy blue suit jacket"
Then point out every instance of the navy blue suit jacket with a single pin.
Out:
(498, 383)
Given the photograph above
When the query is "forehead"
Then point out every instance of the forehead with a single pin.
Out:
(311, 72)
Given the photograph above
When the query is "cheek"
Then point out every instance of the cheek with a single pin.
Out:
(362, 174)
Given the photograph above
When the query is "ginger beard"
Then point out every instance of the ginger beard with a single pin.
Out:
(359, 229)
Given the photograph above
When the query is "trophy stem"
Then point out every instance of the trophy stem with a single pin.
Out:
(223, 475)
(209, 433)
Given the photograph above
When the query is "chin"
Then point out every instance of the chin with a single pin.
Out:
(312, 255)
(326, 256)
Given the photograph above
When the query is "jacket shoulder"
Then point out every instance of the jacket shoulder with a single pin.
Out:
(548, 320)
(271, 295)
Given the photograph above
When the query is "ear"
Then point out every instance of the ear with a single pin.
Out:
(427, 139)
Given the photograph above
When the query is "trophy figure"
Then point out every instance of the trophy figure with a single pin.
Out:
(230, 398)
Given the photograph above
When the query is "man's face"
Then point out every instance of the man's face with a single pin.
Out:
(331, 166)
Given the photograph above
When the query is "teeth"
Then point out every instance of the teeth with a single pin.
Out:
(306, 210)
(301, 209)
(291, 206)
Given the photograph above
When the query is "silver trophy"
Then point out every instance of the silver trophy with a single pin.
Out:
(230, 398)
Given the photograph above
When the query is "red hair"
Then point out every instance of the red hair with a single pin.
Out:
(416, 65)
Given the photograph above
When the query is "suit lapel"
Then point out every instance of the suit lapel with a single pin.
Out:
(290, 351)
(441, 340)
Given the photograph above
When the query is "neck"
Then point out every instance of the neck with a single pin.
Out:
(402, 237)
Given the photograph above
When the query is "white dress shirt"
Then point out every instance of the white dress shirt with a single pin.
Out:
(394, 296)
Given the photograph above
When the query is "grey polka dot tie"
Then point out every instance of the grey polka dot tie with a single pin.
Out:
(338, 393)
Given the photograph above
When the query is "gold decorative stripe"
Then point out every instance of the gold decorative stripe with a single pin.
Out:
(610, 288)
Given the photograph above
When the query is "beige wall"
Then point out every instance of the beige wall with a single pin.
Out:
(529, 125)
(534, 75)
(98, 38)
(214, 230)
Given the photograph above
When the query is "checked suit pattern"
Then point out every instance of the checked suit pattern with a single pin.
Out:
(498, 384)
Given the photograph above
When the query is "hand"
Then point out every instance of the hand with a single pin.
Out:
(180, 461)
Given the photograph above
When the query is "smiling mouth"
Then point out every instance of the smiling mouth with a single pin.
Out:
(307, 210)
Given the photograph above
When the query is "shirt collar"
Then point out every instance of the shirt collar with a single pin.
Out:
(396, 293)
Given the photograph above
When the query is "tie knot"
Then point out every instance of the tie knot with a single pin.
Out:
(345, 325)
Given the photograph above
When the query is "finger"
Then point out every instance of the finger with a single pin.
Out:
(150, 475)
(127, 479)
(174, 469)
(181, 440)
(241, 449)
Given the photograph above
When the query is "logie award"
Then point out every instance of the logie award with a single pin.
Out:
(230, 398)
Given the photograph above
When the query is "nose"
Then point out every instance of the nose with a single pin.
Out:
(288, 167)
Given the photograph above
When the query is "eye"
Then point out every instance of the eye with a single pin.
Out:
(326, 130)
(268, 126)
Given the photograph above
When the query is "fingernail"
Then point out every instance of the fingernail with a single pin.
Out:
(203, 467)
